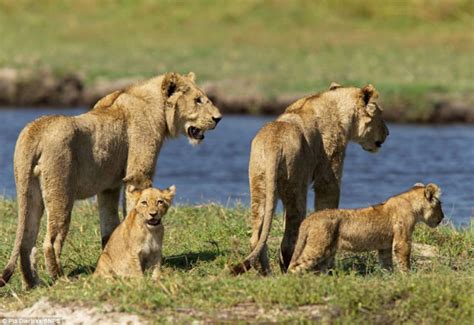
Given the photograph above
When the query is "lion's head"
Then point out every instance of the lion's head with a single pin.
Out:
(369, 129)
(188, 110)
(431, 210)
(152, 204)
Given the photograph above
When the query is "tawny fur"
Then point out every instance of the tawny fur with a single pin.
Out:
(60, 159)
(135, 245)
(305, 145)
(386, 227)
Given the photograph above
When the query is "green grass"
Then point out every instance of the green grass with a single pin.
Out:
(199, 244)
(409, 49)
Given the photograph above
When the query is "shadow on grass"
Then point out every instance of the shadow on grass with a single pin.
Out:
(184, 261)
(187, 260)
(360, 264)
(81, 269)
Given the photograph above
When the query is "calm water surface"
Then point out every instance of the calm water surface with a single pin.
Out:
(216, 171)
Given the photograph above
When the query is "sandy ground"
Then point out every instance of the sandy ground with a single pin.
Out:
(48, 312)
(54, 313)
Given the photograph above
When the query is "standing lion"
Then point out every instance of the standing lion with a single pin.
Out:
(306, 145)
(60, 159)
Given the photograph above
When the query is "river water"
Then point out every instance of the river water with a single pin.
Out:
(216, 171)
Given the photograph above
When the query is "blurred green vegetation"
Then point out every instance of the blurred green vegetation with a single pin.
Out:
(406, 48)
(199, 244)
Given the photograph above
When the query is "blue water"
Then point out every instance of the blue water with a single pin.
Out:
(216, 171)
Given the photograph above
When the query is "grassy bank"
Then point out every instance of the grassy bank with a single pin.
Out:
(201, 241)
(413, 51)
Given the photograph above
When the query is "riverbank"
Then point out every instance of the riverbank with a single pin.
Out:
(41, 87)
(200, 242)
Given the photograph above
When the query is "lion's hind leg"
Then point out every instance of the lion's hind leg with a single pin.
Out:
(58, 201)
(294, 203)
(34, 209)
(318, 252)
(257, 197)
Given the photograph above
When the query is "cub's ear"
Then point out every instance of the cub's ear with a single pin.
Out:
(170, 192)
(134, 193)
(192, 76)
(169, 84)
(369, 93)
(432, 191)
(334, 85)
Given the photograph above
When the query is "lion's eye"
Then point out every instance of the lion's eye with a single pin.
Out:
(199, 100)
(160, 202)
(144, 203)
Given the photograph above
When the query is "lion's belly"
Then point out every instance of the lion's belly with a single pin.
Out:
(96, 176)
(363, 241)
(99, 166)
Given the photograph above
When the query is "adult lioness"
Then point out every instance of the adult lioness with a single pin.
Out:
(306, 144)
(386, 227)
(59, 159)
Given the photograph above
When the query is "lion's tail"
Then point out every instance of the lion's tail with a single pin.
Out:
(25, 173)
(270, 204)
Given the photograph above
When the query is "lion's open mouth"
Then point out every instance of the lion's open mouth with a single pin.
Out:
(195, 133)
(371, 150)
(154, 222)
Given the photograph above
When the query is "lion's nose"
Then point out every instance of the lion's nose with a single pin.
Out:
(378, 144)
(153, 214)
(217, 119)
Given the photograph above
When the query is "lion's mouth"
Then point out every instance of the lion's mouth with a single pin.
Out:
(371, 150)
(195, 133)
(154, 222)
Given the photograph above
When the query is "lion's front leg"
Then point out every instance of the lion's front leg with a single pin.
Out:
(108, 210)
(327, 187)
(156, 269)
(402, 247)
(141, 163)
(326, 196)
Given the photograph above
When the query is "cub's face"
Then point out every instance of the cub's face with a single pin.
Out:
(152, 204)
(194, 113)
(370, 130)
(432, 211)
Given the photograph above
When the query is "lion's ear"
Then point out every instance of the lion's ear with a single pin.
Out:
(192, 76)
(169, 84)
(134, 193)
(334, 85)
(170, 192)
(371, 108)
(369, 93)
(432, 191)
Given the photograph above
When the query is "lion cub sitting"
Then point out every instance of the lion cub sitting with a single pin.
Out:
(386, 227)
(136, 244)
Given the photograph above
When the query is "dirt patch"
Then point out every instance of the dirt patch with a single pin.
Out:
(79, 313)
(425, 251)
(72, 314)
(252, 313)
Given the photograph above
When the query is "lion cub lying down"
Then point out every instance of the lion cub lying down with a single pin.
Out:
(135, 245)
(386, 227)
